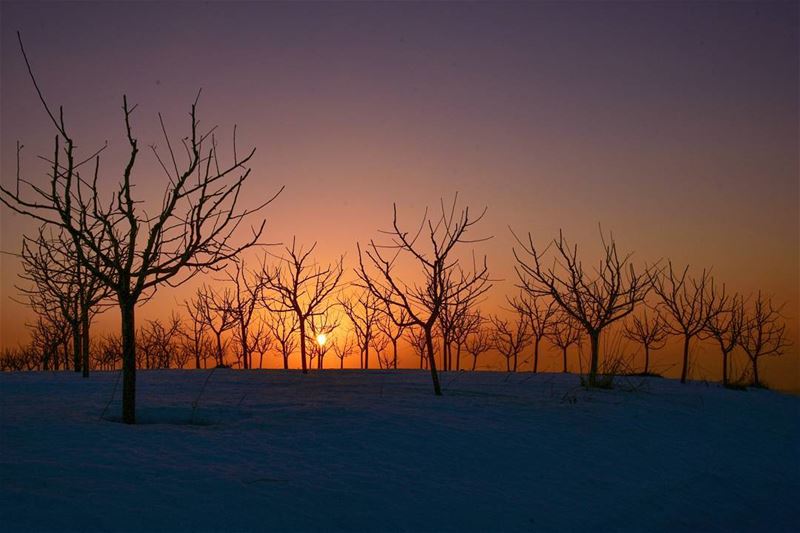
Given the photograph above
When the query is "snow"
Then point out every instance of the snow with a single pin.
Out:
(373, 451)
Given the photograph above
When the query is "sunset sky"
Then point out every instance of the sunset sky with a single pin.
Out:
(674, 125)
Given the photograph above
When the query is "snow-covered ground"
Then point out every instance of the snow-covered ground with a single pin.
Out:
(371, 451)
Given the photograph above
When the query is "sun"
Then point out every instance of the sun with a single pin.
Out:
(322, 339)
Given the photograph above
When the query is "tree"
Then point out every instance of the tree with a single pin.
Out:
(510, 338)
(594, 299)
(364, 313)
(563, 332)
(465, 324)
(689, 302)
(539, 315)
(321, 328)
(478, 340)
(195, 334)
(50, 263)
(442, 277)
(379, 344)
(217, 315)
(300, 286)
(764, 332)
(651, 333)
(246, 294)
(158, 342)
(726, 327)
(344, 348)
(419, 343)
(393, 328)
(283, 328)
(140, 250)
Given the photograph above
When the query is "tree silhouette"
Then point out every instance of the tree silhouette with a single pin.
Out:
(595, 299)
(563, 332)
(299, 286)
(442, 277)
(510, 338)
(364, 313)
(651, 333)
(539, 314)
(478, 341)
(689, 302)
(726, 328)
(140, 250)
(764, 332)
(283, 328)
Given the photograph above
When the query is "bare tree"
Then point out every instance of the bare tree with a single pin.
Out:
(563, 332)
(344, 348)
(465, 324)
(540, 315)
(192, 230)
(419, 343)
(50, 264)
(763, 332)
(321, 328)
(283, 328)
(442, 277)
(393, 328)
(651, 333)
(689, 302)
(479, 340)
(217, 315)
(195, 333)
(158, 342)
(725, 328)
(246, 293)
(595, 299)
(364, 312)
(260, 341)
(510, 338)
(379, 344)
(298, 285)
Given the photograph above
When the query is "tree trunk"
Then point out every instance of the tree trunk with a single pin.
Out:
(245, 351)
(536, 355)
(432, 361)
(394, 352)
(285, 361)
(128, 361)
(508, 364)
(197, 353)
(756, 382)
(565, 358)
(685, 369)
(594, 338)
(85, 347)
(516, 357)
(366, 353)
(646, 359)
(76, 345)
(303, 364)
(725, 368)
(474, 361)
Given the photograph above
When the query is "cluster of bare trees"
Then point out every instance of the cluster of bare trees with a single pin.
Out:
(96, 248)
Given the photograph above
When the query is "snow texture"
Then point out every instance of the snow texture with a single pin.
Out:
(375, 451)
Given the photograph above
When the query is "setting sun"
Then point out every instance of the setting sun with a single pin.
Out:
(322, 339)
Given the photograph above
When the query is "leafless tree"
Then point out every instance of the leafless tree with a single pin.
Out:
(283, 328)
(478, 340)
(299, 286)
(260, 341)
(321, 328)
(379, 344)
(465, 324)
(689, 302)
(158, 342)
(246, 293)
(393, 328)
(594, 298)
(364, 312)
(563, 331)
(540, 314)
(217, 315)
(344, 348)
(441, 278)
(764, 332)
(419, 343)
(726, 329)
(194, 333)
(140, 250)
(510, 338)
(650, 332)
(58, 281)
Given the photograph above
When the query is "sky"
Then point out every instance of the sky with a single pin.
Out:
(672, 124)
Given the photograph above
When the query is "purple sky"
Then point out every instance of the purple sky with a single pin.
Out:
(673, 124)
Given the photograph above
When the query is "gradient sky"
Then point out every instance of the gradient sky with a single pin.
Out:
(673, 124)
